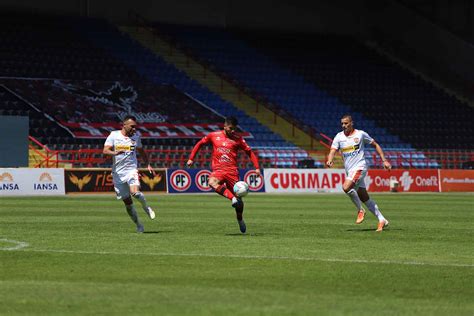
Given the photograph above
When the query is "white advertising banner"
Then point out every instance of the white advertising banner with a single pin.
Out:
(304, 180)
(31, 181)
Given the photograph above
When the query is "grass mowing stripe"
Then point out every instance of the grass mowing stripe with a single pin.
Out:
(248, 257)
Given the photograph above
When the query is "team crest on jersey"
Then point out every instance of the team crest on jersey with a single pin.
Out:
(356, 140)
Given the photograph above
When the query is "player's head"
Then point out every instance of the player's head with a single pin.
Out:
(230, 125)
(347, 124)
(129, 125)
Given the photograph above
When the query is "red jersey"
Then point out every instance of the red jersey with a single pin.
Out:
(225, 149)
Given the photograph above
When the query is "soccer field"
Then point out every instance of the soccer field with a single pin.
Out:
(302, 255)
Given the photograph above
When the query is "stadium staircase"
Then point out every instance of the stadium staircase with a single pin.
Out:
(40, 156)
(227, 90)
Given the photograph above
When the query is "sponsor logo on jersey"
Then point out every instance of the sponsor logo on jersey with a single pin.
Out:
(225, 158)
(223, 150)
(125, 147)
(350, 149)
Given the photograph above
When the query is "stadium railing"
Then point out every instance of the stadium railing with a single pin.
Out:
(173, 156)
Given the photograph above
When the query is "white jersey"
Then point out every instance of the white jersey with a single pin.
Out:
(352, 148)
(125, 163)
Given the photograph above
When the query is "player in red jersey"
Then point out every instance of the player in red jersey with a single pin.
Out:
(225, 174)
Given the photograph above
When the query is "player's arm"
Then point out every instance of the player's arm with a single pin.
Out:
(109, 151)
(143, 154)
(252, 156)
(331, 155)
(378, 149)
(254, 160)
(195, 150)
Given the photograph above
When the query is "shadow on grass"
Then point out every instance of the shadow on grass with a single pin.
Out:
(370, 229)
(158, 232)
(244, 235)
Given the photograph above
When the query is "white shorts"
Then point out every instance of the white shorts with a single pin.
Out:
(122, 189)
(357, 176)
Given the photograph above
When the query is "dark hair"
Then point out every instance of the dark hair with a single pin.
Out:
(232, 120)
(129, 117)
(346, 116)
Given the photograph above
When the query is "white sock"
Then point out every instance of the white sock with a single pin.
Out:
(372, 206)
(141, 198)
(355, 199)
(132, 213)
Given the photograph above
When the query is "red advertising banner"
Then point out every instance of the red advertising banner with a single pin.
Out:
(413, 180)
(456, 180)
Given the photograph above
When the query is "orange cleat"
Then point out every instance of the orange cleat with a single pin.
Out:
(360, 216)
(383, 224)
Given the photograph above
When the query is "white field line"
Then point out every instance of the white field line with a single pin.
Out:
(392, 262)
(16, 244)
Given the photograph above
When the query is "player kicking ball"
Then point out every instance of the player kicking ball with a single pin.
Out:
(351, 143)
(122, 145)
(226, 144)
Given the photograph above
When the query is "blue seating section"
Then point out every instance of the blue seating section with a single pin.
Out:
(408, 106)
(278, 84)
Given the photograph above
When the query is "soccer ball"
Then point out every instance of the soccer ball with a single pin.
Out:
(241, 189)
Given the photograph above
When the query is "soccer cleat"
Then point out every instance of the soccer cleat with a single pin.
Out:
(149, 212)
(383, 224)
(140, 228)
(360, 216)
(242, 226)
(237, 202)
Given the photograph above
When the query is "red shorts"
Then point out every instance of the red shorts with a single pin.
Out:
(226, 177)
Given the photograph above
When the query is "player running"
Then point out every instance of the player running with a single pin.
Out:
(225, 174)
(351, 142)
(122, 145)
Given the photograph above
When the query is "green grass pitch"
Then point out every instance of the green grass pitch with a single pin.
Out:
(302, 255)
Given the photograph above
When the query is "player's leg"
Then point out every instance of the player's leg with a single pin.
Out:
(372, 206)
(349, 187)
(134, 184)
(230, 181)
(123, 193)
(216, 182)
(133, 214)
(137, 194)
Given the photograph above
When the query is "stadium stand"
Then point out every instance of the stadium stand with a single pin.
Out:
(319, 78)
(49, 51)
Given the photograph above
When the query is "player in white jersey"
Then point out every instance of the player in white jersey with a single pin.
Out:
(351, 143)
(122, 145)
